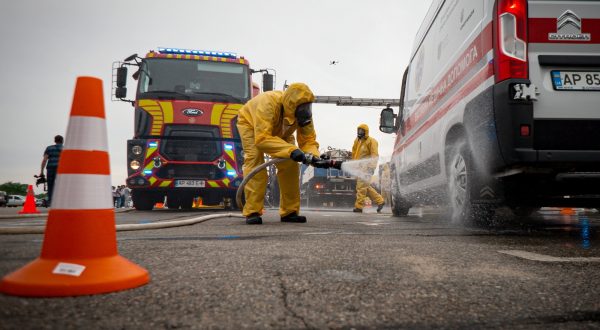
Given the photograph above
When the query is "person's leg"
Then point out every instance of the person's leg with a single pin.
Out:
(50, 177)
(254, 190)
(374, 195)
(288, 174)
(361, 193)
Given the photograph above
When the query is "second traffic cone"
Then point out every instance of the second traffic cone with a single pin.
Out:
(567, 211)
(29, 206)
(79, 254)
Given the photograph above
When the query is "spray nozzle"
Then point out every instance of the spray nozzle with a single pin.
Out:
(327, 163)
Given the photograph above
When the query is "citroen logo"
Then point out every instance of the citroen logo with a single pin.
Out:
(569, 18)
(568, 27)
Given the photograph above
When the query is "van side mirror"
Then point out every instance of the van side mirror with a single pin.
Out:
(267, 82)
(387, 121)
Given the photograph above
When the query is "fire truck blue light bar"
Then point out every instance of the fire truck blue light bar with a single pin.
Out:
(228, 147)
(231, 173)
(196, 52)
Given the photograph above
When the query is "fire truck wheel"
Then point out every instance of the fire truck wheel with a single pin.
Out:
(186, 202)
(173, 202)
(461, 175)
(142, 201)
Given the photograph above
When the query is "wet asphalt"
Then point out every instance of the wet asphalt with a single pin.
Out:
(341, 270)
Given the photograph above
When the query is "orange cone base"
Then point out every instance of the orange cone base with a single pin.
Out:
(101, 275)
(29, 211)
(567, 211)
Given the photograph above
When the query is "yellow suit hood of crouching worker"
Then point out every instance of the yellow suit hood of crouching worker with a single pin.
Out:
(267, 124)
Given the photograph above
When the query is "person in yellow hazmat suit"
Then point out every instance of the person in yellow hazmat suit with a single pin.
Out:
(267, 124)
(366, 147)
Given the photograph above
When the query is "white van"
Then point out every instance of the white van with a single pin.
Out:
(500, 106)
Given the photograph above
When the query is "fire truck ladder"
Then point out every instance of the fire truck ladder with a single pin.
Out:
(358, 102)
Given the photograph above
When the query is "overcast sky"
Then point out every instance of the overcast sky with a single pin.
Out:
(46, 45)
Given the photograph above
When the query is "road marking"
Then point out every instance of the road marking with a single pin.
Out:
(545, 258)
(373, 223)
(320, 233)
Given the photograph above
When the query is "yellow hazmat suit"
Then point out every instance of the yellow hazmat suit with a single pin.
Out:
(366, 148)
(267, 124)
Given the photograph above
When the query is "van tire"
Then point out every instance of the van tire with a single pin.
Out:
(399, 205)
(524, 211)
(461, 175)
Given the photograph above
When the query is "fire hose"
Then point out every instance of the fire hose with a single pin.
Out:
(126, 227)
(312, 161)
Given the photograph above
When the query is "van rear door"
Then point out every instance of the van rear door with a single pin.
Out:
(564, 63)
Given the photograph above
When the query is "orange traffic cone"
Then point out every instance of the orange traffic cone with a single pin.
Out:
(79, 254)
(567, 211)
(29, 206)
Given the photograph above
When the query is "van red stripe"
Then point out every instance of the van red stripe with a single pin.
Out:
(476, 51)
(83, 162)
(539, 28)
(478, 79)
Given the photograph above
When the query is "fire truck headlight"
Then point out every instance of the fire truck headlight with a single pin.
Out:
(136, 150)
(135, 165)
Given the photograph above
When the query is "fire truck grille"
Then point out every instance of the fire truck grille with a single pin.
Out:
(566, 135)
(191, 143)
(190, 171)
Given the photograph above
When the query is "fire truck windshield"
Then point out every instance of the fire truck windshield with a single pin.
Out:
(194, 80)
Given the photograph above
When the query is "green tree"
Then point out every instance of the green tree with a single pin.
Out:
(14, 188)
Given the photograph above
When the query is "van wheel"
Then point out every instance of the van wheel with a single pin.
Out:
(461, 175)
(523, 211)
(400, 206)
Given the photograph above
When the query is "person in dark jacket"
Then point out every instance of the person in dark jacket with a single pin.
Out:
(50, 162)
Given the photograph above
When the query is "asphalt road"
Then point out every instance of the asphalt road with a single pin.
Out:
(339, 270)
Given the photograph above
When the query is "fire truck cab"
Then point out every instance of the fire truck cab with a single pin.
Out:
(185, 142)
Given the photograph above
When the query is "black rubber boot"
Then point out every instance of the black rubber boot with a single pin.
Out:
(254, 219)
(357, 210)
(293, 217)
(380, 207)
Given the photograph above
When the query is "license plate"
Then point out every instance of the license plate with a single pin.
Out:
(576, 80)
(190, 183)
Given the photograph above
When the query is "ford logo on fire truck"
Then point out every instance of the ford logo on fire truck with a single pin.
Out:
(192, 112)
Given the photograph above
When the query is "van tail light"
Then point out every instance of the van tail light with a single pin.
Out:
(510, 37)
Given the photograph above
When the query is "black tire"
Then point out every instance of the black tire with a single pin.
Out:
(142, 201)
(523, 211)
(399, 205)
(186, 202)
(173, 202)
(461, 175)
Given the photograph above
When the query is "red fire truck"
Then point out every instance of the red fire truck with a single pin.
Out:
(185, 143)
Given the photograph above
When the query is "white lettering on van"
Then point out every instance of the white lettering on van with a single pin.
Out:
(455, 74)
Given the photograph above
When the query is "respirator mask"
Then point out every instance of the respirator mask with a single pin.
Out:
(304, 114)
(360, 133)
